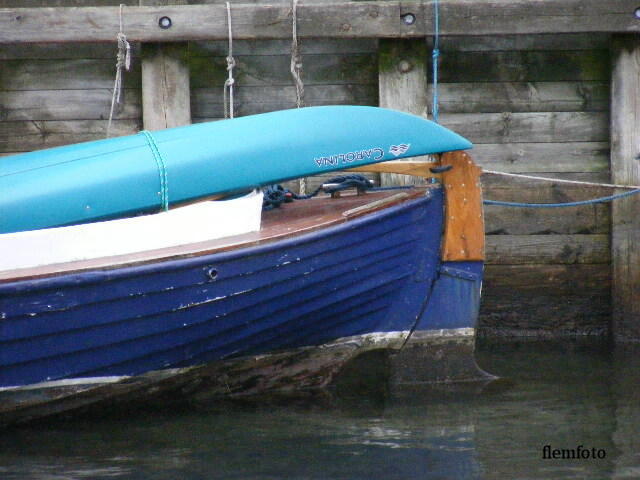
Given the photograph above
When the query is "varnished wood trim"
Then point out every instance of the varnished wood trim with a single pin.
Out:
(464, 223)
(417, 169)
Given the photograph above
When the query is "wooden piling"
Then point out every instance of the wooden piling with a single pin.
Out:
(165, 86)
(625, 169)
(166, 99)
(402, 73)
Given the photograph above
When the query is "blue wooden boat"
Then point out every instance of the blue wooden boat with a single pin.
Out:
(276, 310)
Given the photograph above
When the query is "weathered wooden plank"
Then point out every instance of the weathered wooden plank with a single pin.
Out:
(525, 66)
(625, 169)
(546, 316)
(63, 3)
(33, 105)
(402, 83)
(50, 51)
(530, 127)
(544, 42)
(34, 135)
(543, 157)
(522, 97)
(541, 221)
(513, 189)
(207, 104)
(552, 280)
(271, 70)
(260, 72)
(514, 184)
(547, 249)
(165, 87)
(349, 19)
(587, 219)
(316, 46)
(64, 74)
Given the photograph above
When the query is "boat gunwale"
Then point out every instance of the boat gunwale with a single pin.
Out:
(272, 230)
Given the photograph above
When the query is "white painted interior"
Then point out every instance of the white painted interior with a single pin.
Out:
(194, 223)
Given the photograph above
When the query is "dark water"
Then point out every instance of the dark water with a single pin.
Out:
(563, 396)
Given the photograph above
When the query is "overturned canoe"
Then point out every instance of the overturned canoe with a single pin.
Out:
(146, 172)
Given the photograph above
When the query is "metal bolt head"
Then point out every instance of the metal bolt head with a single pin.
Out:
(165, 23)
(408, 18)
(405, 66)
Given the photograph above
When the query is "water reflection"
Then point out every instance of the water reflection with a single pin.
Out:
(559, 395)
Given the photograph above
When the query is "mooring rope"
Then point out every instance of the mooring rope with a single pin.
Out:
(123, 60)
(162, 169)
(296, 59)
(609, 198)
(231, 63)
(276, 195)
(435, 55)
(296, 73)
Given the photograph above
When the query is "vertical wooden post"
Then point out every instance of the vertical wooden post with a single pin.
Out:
(165, 81)
(625, 169)
(402, 70)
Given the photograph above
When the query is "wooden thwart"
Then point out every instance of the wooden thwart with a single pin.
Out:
(417, 169)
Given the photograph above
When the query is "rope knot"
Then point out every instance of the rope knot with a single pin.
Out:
(123, 57)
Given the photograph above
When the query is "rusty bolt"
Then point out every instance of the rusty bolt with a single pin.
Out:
(405, 66)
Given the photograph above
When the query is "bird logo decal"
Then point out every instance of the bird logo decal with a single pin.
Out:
(397, 150)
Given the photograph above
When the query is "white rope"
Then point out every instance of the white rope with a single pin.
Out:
(123, 60)
(296, 73)
(296, 59)
(558, 180)
(228, 84)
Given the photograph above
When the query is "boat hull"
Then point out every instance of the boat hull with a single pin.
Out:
(281, 316)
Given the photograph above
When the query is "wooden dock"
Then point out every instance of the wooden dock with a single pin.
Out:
(547, 88)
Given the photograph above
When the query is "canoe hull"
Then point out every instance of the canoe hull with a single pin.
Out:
(146, 172)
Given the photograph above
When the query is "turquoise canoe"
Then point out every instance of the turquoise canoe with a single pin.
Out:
(150, 171)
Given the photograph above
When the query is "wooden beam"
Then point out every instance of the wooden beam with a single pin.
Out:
(463, 238)
(625, 169)
(165, 86)
(402, 83)
(343, 20)
(166, 95)
(418, 169)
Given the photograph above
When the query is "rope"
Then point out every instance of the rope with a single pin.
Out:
(636, 189)
(276, 195)
(123, 60)
(296, 59)
(558, 180)
(162, 169)
(296, 73)
(435, 54)
(559, 205)
(231, 63)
